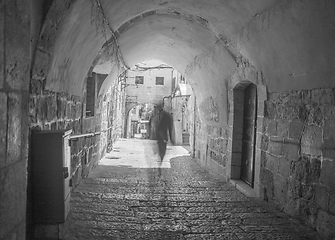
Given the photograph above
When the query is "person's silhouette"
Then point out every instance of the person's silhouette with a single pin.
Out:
(164, 128)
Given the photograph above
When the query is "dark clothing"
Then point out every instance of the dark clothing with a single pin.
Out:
(164, 126)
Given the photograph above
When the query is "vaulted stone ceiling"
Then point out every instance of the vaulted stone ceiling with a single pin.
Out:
(289, 42)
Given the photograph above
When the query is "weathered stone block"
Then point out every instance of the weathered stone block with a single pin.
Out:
(292, 207)
(332, 202)
(291, 112)
(308, 192)
(68, 110)
(267, 180)
(294, 188)
(3, 128)
(46, 126)
(53, 126)
(311, 141)
(295, 130)
(263, 158)
(2, 40)
(14, 136)
(323, 96)
(17, 51)
(51, 107)
(41, 64)
(291, 150)
(210, 109)
(25, 127)
(280, 189)
(300, 170)
(329, 129)
(315, 115)
(275, 147)
(322, 197)
(275, 97)
(41, 110)
(306, 96)
(211, 143)
(328, 173)
(13, 196)
(77, 126)
(303, 113)
(284, 167)
(61, 124)
(328, 148)
(270, 110)
(78, 109)
(223, 160)
(308, 210)
(314, 170)
(36, 86)
(33, 109)
(222, 145)
(272, 162)
(271, 128)
(329, 112)
(73, 110)
(325, 223)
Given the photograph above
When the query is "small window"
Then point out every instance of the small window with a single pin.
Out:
(182, 79)
(159, 80)
(139, 79)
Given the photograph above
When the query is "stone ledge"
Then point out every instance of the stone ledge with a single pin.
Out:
(243, 187)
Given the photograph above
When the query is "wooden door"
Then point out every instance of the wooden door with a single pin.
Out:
(249, 134)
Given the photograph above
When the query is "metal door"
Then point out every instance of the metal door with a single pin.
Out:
(249, 134)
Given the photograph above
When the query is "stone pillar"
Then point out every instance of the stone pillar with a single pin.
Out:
(14, 98)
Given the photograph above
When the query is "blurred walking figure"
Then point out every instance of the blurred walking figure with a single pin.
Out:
(164, 128)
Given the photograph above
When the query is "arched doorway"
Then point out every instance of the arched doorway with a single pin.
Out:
(244, 131)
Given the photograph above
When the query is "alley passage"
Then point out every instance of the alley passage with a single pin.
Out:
(127, 197)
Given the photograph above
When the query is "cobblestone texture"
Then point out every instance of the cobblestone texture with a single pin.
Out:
(184, 202)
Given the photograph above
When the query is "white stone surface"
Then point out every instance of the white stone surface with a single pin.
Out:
(140, 153)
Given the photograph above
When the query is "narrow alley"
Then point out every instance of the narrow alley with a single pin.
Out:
(127, 197)
(88, 88)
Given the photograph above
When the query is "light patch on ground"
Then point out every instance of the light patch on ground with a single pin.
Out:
(140, 153)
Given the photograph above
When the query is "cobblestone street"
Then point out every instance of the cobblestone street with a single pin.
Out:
(128, 197)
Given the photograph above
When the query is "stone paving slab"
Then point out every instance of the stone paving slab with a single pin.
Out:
(180, 202)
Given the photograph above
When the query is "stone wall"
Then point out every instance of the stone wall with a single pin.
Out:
(58, 111)
(298, 156)
(117, 110)
(14, 79)
(211, 142)
(179, 110)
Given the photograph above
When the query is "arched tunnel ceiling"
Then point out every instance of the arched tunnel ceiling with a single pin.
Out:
(177, 42)
(291, 42)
